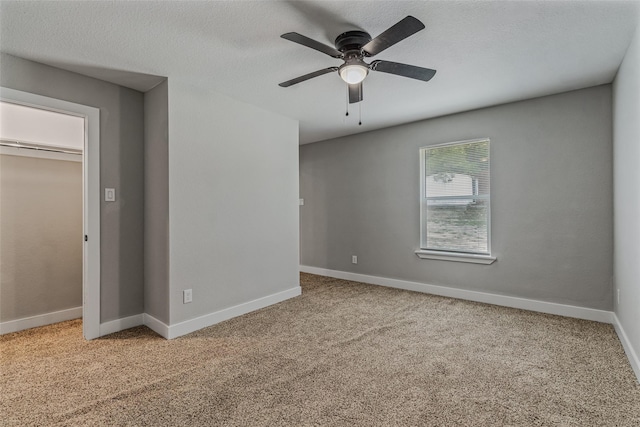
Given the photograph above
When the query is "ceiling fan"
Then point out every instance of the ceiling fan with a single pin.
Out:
(353, 46)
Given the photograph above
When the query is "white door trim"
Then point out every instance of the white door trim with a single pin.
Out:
(90, 200)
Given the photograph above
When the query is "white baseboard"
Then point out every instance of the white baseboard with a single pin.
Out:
(188, 326)
(485, 297)
(156, 325)
(634, 360)
(192, 325)
(40, 320)
(120, 324)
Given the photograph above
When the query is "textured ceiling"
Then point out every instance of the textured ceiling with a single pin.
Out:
(486, 52)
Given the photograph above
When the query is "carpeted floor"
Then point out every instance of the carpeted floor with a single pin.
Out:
(341, 354)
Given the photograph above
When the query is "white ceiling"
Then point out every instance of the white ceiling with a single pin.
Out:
(485, 52)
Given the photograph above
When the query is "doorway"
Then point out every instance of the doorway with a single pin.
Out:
(90, 118)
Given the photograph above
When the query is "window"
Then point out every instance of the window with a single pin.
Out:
(455, 200)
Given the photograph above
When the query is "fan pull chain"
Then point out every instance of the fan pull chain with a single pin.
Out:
(347, 106)
(360, 113)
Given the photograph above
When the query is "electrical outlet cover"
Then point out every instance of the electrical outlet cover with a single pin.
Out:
(187, 296)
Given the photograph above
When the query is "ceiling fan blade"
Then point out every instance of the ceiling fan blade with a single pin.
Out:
(306, 41)
(307, 76)
(403, 29)
(404, 70)
(355, 93)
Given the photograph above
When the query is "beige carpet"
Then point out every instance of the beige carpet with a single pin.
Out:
(342, 354)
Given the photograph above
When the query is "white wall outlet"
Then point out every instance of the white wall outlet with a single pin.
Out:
(301, 202)
(354, 259)
(187, 296)
(109, 194)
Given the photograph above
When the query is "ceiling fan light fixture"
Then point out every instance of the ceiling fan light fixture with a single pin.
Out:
(353, 73)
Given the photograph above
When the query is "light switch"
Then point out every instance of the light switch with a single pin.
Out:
(301, 202)
(109, 194)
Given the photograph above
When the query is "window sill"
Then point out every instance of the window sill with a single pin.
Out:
(454, 256)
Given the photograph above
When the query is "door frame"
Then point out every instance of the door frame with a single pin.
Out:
(90, 197)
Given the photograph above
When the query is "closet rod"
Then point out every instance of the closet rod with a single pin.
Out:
(39, 147)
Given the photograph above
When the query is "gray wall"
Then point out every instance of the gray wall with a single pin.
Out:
(233, 201)
(627, 194)
(121, 167)
(41, 229)
(156, 202)
(551, 184)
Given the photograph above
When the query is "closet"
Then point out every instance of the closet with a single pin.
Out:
(41, 214)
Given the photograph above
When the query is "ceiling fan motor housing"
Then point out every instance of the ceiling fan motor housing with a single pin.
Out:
(352, 40)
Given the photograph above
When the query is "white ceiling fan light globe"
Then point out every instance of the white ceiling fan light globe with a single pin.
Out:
(353, 73)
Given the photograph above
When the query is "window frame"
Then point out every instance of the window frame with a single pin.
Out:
(443, 254)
